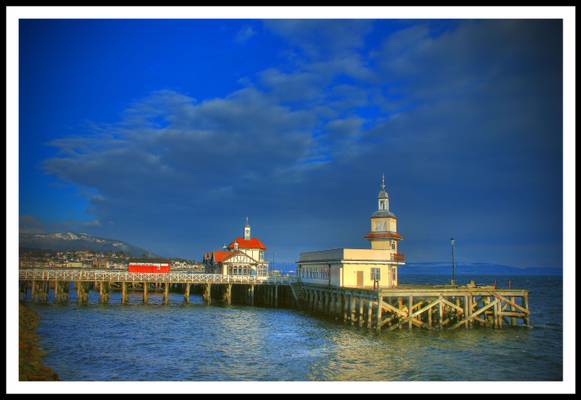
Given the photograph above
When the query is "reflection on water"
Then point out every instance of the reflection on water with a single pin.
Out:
(200, 342)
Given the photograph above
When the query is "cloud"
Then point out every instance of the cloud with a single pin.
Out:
(464, 122)
(322, 38)
(30, 224)
(244, 34)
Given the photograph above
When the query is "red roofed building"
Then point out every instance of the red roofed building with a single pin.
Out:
(243, 256)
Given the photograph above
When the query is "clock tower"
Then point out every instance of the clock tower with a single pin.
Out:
(383, 234)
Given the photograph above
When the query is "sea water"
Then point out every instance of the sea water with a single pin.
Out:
(197, 342)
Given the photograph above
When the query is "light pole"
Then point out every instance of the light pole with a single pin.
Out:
(453, 282)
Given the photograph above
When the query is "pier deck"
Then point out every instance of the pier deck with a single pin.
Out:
(407, 306)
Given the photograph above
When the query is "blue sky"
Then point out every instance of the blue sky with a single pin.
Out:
(168, 133)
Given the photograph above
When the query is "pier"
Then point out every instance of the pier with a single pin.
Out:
(407, 306)
(269, 291)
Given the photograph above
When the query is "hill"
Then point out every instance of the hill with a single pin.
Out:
(69, 241)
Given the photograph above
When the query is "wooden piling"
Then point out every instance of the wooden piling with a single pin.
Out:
(228, 294)
(79, 293)
(410, 306)
(526, 318)
(208, 293)
(187, 293)
(513, 309)
(145, 294)
(123, 293)
(360, 316)
(166, 293)
(33, 295)
(378, 315)
(57, 293)
(351, 308)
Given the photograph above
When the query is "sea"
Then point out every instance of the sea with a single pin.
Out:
(199, 342)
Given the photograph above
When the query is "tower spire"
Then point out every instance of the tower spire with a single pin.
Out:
(382, 197)
(247, 230)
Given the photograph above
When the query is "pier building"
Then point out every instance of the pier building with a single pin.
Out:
(159, 265)
(359, 268)
(243, 256)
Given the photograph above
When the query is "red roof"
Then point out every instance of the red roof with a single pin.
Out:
(220, 256)
(247, 244)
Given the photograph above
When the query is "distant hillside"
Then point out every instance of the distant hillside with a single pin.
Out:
(63, 241)
(474, 269)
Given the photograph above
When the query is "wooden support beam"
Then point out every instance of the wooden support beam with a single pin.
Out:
(57, 292)
(208, 293)
(123, 292)
(378, 315)
(477, 313)
(512, 302)
(512, 308)
(228, 294)
(410, 307)
(397, 311)
(360, 312)
(166, 293)
(527, 320)
(187, 293)
(33, 291)
(351, 309)
(466, 311)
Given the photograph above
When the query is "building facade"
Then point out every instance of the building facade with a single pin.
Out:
(243, 256)
(360, 268)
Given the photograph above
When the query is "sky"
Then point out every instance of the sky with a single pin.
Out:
(167, 134)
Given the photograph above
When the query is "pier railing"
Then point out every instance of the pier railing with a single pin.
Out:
(171, 277)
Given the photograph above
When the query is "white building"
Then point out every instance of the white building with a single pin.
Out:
(243, 256)
(362, 268)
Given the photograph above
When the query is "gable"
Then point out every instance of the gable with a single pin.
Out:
(240, 257)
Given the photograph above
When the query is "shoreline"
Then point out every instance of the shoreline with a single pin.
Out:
(30, 356)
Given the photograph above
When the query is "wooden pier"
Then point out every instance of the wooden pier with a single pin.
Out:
(262, 291)
(407, 306)
(427, 307)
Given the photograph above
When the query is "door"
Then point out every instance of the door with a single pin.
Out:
(359, 278)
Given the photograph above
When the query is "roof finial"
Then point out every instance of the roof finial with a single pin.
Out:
(246, 221)
(383, 182)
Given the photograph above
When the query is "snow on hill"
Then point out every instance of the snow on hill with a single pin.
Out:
(62, 241)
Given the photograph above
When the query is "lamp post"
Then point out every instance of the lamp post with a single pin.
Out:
(453, 282)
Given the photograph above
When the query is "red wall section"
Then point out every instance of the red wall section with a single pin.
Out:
(148, 268)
